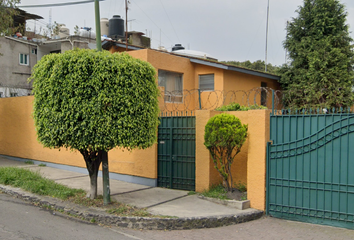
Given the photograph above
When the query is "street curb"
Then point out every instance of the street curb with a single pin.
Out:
(99, 216)
(241, 205)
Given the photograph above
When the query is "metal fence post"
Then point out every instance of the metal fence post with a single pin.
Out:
(272, 102)
(200, 101)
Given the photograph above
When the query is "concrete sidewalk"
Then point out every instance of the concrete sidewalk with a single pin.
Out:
(158, 201)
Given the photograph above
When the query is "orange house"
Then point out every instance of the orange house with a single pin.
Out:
(190, 83)
(187, 83)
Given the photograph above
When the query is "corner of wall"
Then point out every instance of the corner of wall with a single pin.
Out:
(258, 128)
(202, 156)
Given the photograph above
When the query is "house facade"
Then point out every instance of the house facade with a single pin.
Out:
(190, 83)
(16, 62)
(19, 55)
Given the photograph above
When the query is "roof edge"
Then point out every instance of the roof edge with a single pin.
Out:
(236, 69)
(108, 43)
(21, 41)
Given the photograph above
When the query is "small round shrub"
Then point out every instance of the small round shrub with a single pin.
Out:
(224, 137)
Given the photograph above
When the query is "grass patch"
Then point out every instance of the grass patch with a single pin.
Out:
(241, 186)
(244, 196)
(116, 208)
(29, 162)
(35, 183)
(127, 210)
(42, 165)
(217, 191)
(192, 193)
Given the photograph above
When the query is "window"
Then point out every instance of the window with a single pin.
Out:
(13, 94)
(34, 51)
(263, 94)
(1, 94)
(173, 84)
(206, 82)
(24, 59)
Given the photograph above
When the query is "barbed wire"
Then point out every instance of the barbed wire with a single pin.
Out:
(191, 100)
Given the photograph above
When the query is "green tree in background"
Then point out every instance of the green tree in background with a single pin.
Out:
(320, 72)
(258, 65)
(7, 12)
(94, 101)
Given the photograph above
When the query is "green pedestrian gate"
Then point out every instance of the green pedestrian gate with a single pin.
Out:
(310, 168)
(176, 152)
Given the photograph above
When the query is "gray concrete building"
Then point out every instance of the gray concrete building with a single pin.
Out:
(18, 57)
(16, 62)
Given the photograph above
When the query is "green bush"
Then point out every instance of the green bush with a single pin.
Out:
(224, 137)
(238, 107)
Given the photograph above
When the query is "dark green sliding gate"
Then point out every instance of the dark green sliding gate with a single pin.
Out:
(310, 168)
(176, 152)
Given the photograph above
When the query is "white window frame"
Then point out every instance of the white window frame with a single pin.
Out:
(202, 89)
(24, 63)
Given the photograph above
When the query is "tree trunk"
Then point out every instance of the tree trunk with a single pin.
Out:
(93, 163)
(230, 176)
(93, 185)
(103, 155)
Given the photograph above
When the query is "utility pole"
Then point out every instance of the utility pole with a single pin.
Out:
(266, 48)
(102, 154)
(286, 50)
(126, 25)
(98, 26)
(50, 23)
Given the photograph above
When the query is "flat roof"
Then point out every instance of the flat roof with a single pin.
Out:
(106, 44)
(26, 16)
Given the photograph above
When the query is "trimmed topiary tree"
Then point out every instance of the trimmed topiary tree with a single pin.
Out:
(94, 101)
(224, 137)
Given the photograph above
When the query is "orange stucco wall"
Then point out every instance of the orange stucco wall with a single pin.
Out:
(243, 83)
(250, 164)
(18, 139)
(224, 81)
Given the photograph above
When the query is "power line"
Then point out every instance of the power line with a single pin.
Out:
(152, 20)
(170, 20)
(58, 4)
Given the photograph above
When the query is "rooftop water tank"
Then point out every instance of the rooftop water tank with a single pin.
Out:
(116, 27)
(64, 31)
(86, 32)
(104, 23)
(177, 47)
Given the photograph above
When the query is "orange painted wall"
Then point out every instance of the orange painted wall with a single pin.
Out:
(18, 138)
(225, 80)
(168, 62)
(210, 99)
(250, 164)
(242, 82)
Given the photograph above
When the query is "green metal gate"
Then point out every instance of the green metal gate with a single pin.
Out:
(176, 152)
(310, 168)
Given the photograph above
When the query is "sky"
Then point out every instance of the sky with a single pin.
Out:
(228, 30)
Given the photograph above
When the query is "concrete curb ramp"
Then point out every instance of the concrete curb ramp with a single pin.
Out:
(100, 216)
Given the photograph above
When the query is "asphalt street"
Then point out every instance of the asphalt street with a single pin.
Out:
(22, 221)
